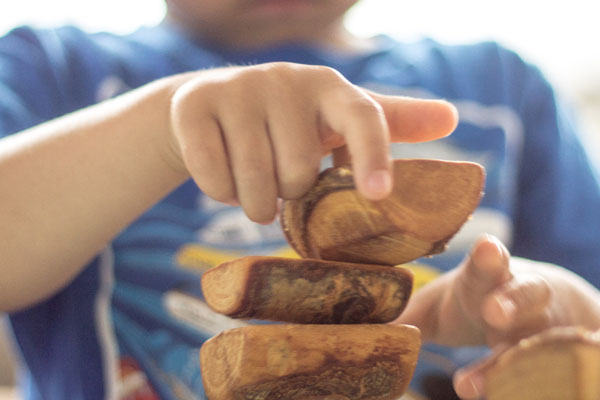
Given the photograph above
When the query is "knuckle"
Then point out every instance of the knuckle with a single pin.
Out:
(532, 292)
(280, 68)
(364, 105)
(359, 107)
(297, 77)
(261, 81)
(255, 73)
(191, 102)
(321, 77)
(328, 73)
(272, 72)
(355, 111)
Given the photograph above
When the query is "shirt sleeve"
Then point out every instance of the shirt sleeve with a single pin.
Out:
(558, 209)
(30, 89)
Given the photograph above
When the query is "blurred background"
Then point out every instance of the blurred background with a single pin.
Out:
(560, 37)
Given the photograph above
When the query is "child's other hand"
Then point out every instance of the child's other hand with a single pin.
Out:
(248, 135)
(497, 300)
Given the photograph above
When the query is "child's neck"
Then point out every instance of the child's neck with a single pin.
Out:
(347, 42)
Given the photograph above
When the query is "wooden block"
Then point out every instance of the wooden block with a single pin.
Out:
(560, 364)
(307, 291)
(430, 201)
(310, 362)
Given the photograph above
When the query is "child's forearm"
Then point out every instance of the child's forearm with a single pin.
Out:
(68, 186)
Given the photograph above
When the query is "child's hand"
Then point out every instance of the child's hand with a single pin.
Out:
(496, 300)
(248, 135)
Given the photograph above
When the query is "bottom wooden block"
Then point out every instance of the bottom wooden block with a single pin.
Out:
(310, 362)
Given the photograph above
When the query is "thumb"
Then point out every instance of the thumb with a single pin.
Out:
(484, 269)
(448, 310)
(486, 266)
(417, 120)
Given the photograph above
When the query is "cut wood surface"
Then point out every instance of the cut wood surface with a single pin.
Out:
(430, 201)
(307, 291)
(343, 351)
(310, 362)
(560, 364)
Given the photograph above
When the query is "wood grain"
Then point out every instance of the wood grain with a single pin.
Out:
(310, 362)
(307, 291)
(430, 201)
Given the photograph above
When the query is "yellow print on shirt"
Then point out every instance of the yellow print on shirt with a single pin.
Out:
(423, 274)
(201, 258)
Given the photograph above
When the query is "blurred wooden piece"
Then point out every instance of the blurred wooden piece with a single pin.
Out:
(310, 362)
(560, 364)
(430, 201)
(307, 291)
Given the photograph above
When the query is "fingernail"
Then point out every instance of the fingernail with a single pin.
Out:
(495, 241)
(469, 386)
(476, 384)
(379, 184)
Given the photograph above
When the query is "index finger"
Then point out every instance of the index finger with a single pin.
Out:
(351, 113)
(369, 121)
(412, 120)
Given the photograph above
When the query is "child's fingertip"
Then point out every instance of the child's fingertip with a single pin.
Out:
(468, 386)
(488, 258)
(379, 184)
(452, 116)
(498, 246)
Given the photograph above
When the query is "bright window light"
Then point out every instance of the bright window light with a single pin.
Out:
(560, 37)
